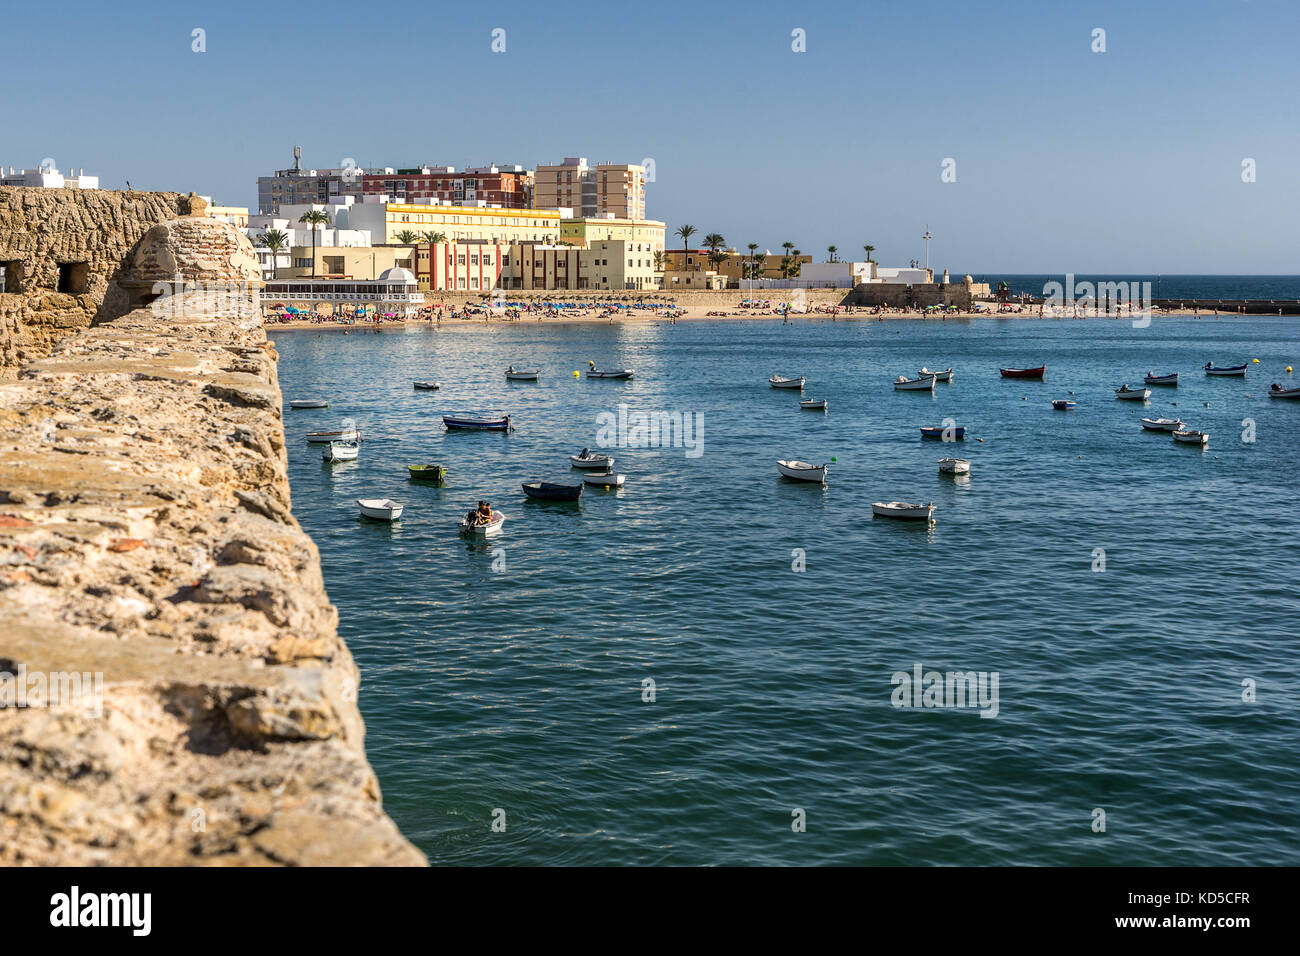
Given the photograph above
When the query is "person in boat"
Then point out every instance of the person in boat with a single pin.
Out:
(484, 513)
(584, 453)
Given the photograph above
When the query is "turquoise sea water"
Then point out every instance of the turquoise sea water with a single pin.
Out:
(1119, 690)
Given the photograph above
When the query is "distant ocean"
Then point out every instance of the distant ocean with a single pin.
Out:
(1166, 286)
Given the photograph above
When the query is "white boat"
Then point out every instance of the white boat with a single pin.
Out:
(954, 466)
(603, 479)
(323, 438)
(1133, 394)
(379, 509)
(427, 386)
(1191, 436)
(1237, 370)
(944, 376)
(309, 403)
(521, 374)
(340, 451)
(1277, 391)
(780, 381)
(923, 384)
(814, 404)
(1161, 424)
(601, 462)
(802, 471)
(609, 373)
(489, 530)
(903, 509)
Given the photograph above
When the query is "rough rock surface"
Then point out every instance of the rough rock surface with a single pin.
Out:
(146, 536)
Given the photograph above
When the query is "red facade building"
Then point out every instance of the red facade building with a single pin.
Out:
(510, 187)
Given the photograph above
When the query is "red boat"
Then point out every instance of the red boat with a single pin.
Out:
(1023, 372)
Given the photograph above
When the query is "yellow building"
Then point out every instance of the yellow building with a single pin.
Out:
(649, 233)
(348, 262)
(237, 216)
(386, 221)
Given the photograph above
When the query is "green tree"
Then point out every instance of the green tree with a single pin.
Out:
(714, 241)
(314, 218)
(832, 250)
(407, 238)
(275, 240)
(869, 249)
(685, 232)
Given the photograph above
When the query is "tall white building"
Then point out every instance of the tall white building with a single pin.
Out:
(47, 177)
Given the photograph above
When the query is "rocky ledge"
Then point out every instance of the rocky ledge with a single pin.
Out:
(173, 689)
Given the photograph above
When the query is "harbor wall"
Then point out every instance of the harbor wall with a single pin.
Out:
(173, 688)
(720, 299)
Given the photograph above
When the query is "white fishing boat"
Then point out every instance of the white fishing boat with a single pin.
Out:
(1161, 424)
(522, 374)
(1132, 394)
(594, 462)
(340, 451)
(603, 479)
(814, 404)
(780, 381)
(489, 529)
(802, 471)
(1277, 391)
(324, 438)
(923, 384)
(427, 386)
(1151, 378)
(954, 466)
(379, 509)
(903, 509)
(593, 372)
(1236, 370)
(1190, 436)
(944, 376)
(309, 403)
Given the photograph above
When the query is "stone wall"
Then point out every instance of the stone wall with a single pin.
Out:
(146, 543)
(722, 299)
(40, 228)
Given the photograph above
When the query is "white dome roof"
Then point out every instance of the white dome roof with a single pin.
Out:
(397, 274)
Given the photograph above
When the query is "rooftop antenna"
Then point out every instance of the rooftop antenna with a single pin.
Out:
(927, 238)
(297, 159)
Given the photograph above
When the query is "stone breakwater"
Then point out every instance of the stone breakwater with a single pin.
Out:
(146, 539)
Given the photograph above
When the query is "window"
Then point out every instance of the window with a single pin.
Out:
(73, 277)
(11, 276)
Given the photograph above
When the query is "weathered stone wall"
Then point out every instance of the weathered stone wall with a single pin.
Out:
(145, 536)
(40, 228)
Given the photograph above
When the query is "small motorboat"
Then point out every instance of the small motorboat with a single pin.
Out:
(953, 433)
(309, 403)
(324, 438)
(903, 509)
(954, 466)
(427, 472)
(1161, 424)
(1063, 404)
(1132, 394)
(814, 404)
(1152, 378)
(487, 529)
(587, 460)
(1237, 370)
(593, 372)
(944, 376)
(780, 381)
(1023, 372)
(522, 375)
(1190, 436)
(549, 491)
(802, 471)
(470, 423)
(905, 384)
(1277, 391)
(340, 451)
(427, 386)
(379, 509)
(603, 479)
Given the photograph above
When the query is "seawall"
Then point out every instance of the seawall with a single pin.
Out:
(174, 690)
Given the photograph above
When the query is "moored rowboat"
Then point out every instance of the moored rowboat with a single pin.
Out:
(905, 384)
(1063, 404)
(309, 403)
(1277, 391)
(379, 509)
(1237, 370)
(588, 460)
(954, 466)
(427, 472)
(802, 471)
(603, 479)
(1161, 424)
(944, 376)
(340, 451)
(1132, 394)
(488, 530)
(478, 424)
(945, 433)
(814, 404)
(779, 381)
(346, 434)
(427, 386)
(1023, 372)
(609, 373)
(1151, 378)
(521, 375)
(903, 509)
(549, 491)
(1190, 436)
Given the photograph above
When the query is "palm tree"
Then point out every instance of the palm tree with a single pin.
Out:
(787, 246)
(714, 241)
(758, 266)
(433, 237)
(785, 267)
(275, 240)
(832, 250)
(685, 232)
(659, 260)
(869, 250)
(407, 238)
(717, 258)
(314, 218)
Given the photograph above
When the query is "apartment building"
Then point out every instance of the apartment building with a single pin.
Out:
(606, 189)
(510, 187)
(387, 220)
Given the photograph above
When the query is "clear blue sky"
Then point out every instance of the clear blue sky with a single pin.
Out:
(1066, 160)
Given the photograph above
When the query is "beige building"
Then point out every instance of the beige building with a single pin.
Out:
(347, 262)
(677, 281)
(733, 268)
(649, 233)
(490, 224)
(606, 189)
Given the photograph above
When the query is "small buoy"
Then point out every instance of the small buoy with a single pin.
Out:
(575, 373)
(1256, 361)
(980, 440)
(833, 458)
(1288, 369)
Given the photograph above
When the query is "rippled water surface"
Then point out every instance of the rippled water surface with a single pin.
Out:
(522, 688)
